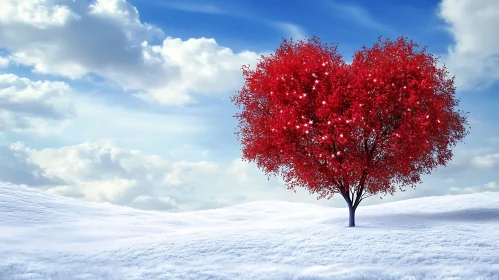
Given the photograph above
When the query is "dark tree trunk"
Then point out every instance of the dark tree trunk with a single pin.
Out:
(352, 206)
(351, 216)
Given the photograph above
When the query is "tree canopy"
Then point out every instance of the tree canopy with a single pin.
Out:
(355, 129)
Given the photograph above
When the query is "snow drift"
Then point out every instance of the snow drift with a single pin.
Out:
(44, 236)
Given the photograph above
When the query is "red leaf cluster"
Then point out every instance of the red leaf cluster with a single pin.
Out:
(333, 127)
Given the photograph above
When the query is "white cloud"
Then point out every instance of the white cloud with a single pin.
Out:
(103, 37)
(155, 203)
(492, 186)
(295, 31)
(182, 171)
(465, 190)
(105, 173)
(203, 67)
(251, 184)
(359, 15)
(474, 58)
(17, 168)
(34, 13)
(187, 7)
(487, 161)
(108, 39)
(465, 161)
(152, 131)
(33, 106)
(4, 62)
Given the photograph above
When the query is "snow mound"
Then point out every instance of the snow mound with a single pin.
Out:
(43, 236)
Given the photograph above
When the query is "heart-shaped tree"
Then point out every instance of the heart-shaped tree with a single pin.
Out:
(355, 129)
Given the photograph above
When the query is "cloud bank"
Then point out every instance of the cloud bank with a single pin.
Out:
(108, 39)
(474, 58)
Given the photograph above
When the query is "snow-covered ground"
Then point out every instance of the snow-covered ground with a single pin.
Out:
(43, 236)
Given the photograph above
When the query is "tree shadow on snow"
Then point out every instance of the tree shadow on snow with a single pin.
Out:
(473, 215)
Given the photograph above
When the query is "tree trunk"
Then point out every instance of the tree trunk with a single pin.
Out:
(352, 206)
(351, 216)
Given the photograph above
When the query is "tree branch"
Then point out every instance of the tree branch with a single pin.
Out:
(366, 196)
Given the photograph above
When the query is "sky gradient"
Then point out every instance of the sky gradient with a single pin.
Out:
(128, 102)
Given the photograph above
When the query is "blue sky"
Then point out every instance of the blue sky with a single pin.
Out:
(128, 102)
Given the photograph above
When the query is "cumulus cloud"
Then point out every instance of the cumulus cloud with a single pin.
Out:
(486, 162)
(17, 168)
(465, 190)
(32, 106)
(468, 161)
(29, 12)
(474, 58)
(488, 187)
(100, 37)
(105, 173)
(107, 38)
(491, 186)
(203, 67)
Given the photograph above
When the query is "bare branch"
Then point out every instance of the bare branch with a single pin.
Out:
(366, 195)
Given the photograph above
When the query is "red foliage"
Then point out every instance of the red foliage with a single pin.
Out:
(355, 129)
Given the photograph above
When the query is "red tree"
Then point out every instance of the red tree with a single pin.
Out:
(355, 129)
